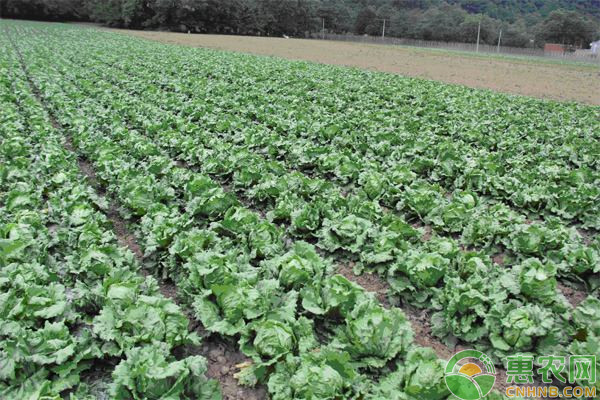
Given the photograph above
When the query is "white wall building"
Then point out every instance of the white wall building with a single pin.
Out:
(595, 48)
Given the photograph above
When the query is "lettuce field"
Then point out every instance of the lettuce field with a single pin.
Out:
(340, 233)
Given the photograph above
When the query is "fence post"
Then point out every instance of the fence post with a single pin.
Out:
(478, 32)
(499, 38)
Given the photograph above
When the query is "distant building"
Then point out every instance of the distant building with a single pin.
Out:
(554, 48)
(595, 48)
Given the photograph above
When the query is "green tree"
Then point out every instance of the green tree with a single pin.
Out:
(43, 9)
(108, 12)
(467, 30)
(365, 19)
(338, 16)
(443, 20)
(566, 27)
(441, 24)
(516, 35)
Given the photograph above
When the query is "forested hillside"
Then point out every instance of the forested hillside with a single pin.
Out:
(524, 22)
(530, 10)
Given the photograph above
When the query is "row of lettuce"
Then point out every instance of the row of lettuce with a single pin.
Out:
(499, 309)
(245, 278)
(73, 305)
(480, 221)
(358, 126)
(482, 224)
(309, 332)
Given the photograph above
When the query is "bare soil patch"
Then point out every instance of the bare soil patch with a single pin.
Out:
(563, 82)
(574, 296)
(223, 361)
(370, 282)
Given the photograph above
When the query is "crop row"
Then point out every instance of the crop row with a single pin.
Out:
(493, 227)
(529, 162)
(73, 303)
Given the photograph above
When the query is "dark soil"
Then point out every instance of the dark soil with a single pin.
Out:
(427, 230)
(420, 321)
(574, 296)
(370, 282)
(499, 259)
(587, 235)
(223, 363)
(428, 233)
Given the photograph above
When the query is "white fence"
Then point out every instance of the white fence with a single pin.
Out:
(579, 55)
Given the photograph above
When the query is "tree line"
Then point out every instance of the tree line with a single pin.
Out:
(450, 21)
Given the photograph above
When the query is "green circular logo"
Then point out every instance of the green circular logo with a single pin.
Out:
(469, 381)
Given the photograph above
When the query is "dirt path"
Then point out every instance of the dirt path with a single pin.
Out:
(564, 82)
